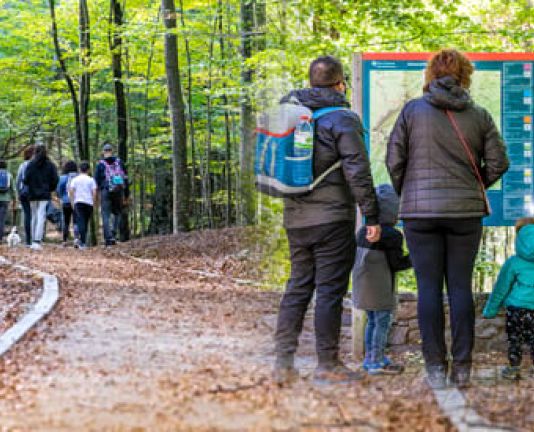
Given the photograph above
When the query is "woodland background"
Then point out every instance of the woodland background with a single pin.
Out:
(175, 87)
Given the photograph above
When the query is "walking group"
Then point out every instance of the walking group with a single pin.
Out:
(36, 181)
(443, 153)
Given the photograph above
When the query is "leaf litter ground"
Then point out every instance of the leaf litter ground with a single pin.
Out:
(173, 333)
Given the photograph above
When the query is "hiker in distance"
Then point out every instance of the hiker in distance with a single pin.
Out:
(321, 229)
(112, 180)
(41, 178)
(7, 195)
(442, 155)
(23, 193)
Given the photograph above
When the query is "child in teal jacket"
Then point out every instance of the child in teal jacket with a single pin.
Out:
(515, 290)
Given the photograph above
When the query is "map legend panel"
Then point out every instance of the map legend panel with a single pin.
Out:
(503, 83)
(518, 189)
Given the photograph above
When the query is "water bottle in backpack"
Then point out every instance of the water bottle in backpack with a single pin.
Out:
(303, 141)
(303, 151)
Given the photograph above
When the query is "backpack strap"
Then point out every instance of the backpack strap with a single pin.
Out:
(327, 110)
(316, 115)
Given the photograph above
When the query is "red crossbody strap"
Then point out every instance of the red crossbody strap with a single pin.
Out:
(470, 156)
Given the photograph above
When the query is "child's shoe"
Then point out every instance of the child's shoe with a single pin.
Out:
(511, 373)
(385, 367)
(366, 364)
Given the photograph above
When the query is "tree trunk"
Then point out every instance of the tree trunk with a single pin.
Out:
(85, 78)
(191, 117)
(228, 143)
(207, 170)
(115, 46)
(176, 106)
(68, 79)
(252, 16)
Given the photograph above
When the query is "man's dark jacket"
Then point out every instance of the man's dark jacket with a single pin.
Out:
(100, 174)
(338, 136)
(41, 178)
(427, 163)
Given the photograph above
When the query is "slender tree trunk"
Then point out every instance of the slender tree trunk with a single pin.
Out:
(179, 130)
(85, 78)
(228, 149)
(68, 79)
(191, 117)
(145, 135)
(115, 46)
(252, 18)
(207, 170)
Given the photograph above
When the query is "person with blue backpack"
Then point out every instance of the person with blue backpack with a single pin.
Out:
(23, 193)
(70, 170)
(7, 195)
(112, 180)
(320, 224)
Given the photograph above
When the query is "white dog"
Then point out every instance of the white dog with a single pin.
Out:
(13, 239)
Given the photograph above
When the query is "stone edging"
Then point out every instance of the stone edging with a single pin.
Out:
(39, 310)
(453, 404)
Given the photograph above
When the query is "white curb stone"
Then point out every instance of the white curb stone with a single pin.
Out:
(44, 305)
(453, 404)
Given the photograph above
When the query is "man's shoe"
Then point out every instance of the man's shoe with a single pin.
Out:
(285, 375)
(335, 373)
(436, 377)
(512, 373)
(461, 376)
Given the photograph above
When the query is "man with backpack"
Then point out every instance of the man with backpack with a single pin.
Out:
(320, 227)
(112, 180)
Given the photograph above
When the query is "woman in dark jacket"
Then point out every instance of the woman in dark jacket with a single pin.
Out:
(41, 178)
(443, 203)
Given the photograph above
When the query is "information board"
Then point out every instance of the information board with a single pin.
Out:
(502, 83)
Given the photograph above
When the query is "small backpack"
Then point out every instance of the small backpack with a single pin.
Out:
(278, 172)
(65, 193)
(5, 181)
(115, 176)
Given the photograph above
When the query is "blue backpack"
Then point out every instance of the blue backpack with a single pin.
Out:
(5, 181)
(278, 172)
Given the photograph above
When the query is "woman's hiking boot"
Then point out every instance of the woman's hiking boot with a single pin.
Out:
(335, 373)
(436, 377)
(461, 376)
(512, 373)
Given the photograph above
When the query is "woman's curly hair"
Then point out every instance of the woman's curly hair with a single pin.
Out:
(449, 62)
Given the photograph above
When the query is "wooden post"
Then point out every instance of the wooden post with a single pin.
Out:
(358, 316)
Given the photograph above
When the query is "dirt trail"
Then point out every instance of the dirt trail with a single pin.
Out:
(153, 345)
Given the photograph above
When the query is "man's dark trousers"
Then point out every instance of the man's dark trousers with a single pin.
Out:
(321, 259)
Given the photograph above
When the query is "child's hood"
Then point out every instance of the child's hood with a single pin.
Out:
(524, 243)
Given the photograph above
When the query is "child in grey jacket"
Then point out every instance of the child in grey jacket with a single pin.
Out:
(373, 281)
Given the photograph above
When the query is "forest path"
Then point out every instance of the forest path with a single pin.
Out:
(164, 335)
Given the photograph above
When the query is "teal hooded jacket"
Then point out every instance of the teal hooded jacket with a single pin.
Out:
(515, 284)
